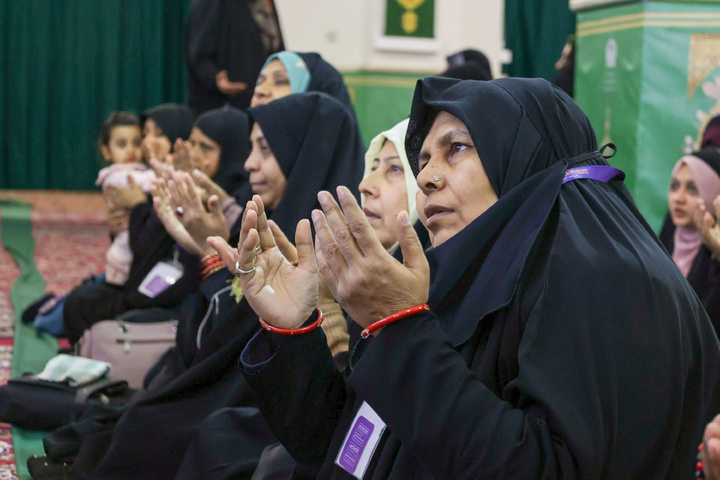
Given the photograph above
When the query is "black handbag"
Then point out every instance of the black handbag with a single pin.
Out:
(34, 404)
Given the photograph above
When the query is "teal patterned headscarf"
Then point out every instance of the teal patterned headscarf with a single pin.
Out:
(297, 70)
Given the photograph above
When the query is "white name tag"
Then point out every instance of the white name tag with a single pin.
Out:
(360, 442)
(160, 278)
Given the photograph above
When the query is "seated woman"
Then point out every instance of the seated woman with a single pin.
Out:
(695, 181)
(300, 145)
(215, 133)
(219, 450)
(92, 302)
(286, 73)
(552, 307)
(388, 188)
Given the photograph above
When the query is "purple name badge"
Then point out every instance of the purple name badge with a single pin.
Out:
(603, 173)
(355, 444)
(156, 286)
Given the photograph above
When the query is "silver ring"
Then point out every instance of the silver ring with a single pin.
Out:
(179, 210)
(168, 207)
(240, 271)
(436, 178)
(258, 249)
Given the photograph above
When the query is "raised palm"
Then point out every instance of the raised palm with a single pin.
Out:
(281, 293)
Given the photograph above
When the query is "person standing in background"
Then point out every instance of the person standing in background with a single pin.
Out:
(226, 44)
(565, 68)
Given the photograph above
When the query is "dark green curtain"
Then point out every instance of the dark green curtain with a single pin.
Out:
(65, 66)
(535, 32)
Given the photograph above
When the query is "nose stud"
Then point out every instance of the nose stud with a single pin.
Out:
(436, 178)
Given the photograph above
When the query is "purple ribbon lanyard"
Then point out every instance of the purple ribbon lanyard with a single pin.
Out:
(603, 173)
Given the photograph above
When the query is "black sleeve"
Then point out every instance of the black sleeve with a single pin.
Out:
(202, 38)
(298, 389)
(456, 426)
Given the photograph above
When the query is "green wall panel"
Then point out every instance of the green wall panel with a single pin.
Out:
(647, 76)
(381, 99)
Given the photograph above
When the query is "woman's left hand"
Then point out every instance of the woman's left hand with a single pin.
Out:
(368, 283)
(282, 293)
(208, 185)
(199, 222)
(182, 160)
(124, 197)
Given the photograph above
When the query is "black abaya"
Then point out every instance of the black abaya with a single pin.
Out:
(553, 314)
(221, 35)
(200, 376)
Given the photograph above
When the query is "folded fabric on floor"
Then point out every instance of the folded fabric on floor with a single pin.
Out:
(76, 371)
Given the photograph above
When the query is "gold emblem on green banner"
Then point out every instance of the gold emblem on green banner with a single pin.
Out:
(410, 18)
(704, 58)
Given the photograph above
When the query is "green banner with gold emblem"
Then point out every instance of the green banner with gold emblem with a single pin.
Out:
(410, 18)
(648, 77)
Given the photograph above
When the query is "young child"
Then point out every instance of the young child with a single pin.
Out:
(120, 139)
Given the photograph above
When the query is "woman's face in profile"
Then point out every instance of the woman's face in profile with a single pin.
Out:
(384, 194)
(266, 177)
(204, 152)
(454, 188)
(683, 197)
(272, 83)
(154, 143)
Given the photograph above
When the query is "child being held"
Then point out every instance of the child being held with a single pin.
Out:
(120, 139)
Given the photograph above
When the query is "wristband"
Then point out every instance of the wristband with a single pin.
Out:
(294, 331)
(211, 259)
(209, 271)
(391, 318)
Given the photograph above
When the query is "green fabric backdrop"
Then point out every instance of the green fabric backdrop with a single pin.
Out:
(535, 32)
(66, 66)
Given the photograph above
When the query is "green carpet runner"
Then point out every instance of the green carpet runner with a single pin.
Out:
(31, 350)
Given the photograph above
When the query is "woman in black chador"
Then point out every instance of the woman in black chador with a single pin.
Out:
(560, 342)
(301, 144)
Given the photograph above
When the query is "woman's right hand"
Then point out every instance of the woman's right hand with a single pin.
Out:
(710, 454)
(282, 294)
(707, 226)
(166, 213)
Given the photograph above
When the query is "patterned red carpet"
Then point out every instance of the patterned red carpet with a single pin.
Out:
(70, 233)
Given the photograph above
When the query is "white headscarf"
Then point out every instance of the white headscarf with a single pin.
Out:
(396, 135)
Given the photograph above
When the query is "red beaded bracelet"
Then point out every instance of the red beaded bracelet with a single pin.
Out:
(294, 331)
(391, 318)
